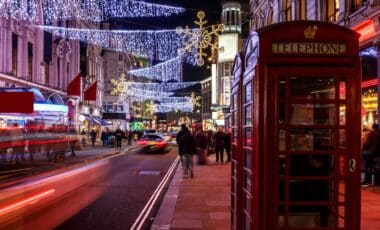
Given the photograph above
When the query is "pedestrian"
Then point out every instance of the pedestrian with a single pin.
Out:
(93, 137)
(219, 144)
(119, 134)
(130, 134)
(188, 150)
(210, 143)
(227, 144)
(371, 149)
(201, 142)
(103, 137)
(83, 134)
(181, 133)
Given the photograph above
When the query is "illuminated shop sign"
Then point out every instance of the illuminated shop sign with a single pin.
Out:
(312, 48)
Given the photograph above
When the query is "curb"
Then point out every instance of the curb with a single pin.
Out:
(164, 216)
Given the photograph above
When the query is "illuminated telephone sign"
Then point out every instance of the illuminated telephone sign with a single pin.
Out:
(311, 48)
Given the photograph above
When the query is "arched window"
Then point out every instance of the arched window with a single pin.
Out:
(288, 10)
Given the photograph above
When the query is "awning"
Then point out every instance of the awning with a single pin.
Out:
(90, 119)
(100, 121)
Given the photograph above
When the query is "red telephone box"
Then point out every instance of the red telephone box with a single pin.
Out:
(295, 121)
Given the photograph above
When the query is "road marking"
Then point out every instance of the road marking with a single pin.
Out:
(149, 173)
(16, 170)
(139, 222)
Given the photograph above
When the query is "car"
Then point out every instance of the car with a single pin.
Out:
(152, 143)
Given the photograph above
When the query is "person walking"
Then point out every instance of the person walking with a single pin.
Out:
(103, 137)
(371, 149)
(219, 144)
(210, 143)
(181, 133)
(130, 134)
(227, 144)
(189, 149)
(119, 134)
(201, 142)
(93, 137)
(83, 137)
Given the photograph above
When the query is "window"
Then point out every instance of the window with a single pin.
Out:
(14, 54)
(120, 57)
(288, 10)
(302, 9)
(58, 72)
(30, 60)
(332, 10)
(356, 4)
(47, 73)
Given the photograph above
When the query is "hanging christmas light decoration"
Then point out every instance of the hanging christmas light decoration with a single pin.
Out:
(162, 99)
(88, 10)
(99, 10)
(19, 10)
(200, 39)
(147, 93)
(168, 107)
(158, 44)
(165, 71)
(132, 8)
(161, 87)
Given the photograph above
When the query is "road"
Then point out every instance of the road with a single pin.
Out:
(131, 181)
(107, 193)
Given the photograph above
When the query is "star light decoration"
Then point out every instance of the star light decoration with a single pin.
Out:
(120, 88)
(200, 39)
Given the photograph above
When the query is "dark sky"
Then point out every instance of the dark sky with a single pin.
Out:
(212, 9)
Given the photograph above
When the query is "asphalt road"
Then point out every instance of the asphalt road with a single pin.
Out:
(130, 182)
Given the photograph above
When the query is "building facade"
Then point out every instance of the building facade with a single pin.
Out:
(229, 43)
(359, 15)
(206, 104)
(34, 58)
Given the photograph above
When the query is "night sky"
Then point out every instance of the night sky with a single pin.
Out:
(212, 9)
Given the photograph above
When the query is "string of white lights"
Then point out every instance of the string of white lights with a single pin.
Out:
(163, 99)
(168, 107)
(98, 10)
(160, 87)
(157, 44)
(165, 71)
(147, 93)
(19, 10)
(132, 8)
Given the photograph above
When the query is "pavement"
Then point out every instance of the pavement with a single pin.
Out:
(203, 202)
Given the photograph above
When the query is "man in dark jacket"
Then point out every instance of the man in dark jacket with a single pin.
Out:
(219, 144)
(371, 149)
(201, 141)
(188, 150)
(227, 144)
(119, 134)
(180, 145)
